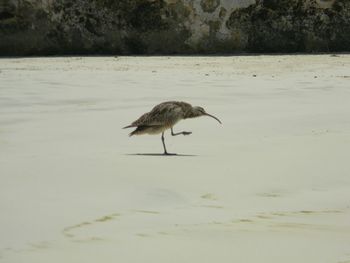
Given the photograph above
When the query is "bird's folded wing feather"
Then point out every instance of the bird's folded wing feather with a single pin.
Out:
(160, 115)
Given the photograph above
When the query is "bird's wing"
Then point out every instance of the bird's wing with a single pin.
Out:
(143, 120)
(162, 114)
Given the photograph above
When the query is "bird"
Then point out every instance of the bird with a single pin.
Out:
(164, 116)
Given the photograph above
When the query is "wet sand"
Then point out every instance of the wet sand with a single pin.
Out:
(270, 185)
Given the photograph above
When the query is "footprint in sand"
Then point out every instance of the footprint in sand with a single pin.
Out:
(68, 231)
(270, 194)
(209, 196)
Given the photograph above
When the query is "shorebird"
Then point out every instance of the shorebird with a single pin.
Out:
(164, 116)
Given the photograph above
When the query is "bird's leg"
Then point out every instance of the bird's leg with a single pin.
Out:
(165, 151)
(178, 133)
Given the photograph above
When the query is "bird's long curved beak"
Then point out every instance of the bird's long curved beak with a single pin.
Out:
(213, 117)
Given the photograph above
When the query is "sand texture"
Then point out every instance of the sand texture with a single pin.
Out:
(271, 184)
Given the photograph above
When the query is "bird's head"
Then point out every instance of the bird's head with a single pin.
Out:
(199, 111)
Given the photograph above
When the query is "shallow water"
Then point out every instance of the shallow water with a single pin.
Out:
(269, 185)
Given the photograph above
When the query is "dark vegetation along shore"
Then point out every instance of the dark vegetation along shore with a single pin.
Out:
(65, 27)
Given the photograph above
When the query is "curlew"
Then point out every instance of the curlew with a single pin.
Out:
(164, 116)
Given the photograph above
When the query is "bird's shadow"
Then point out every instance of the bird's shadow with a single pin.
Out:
(161, 154)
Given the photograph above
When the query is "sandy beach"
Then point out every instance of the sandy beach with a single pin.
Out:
(271, 184)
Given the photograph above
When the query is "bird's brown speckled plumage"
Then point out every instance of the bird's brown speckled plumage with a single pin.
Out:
(164, 116)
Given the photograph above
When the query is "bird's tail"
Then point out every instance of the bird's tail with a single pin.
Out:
(139, 130)
(133, 132)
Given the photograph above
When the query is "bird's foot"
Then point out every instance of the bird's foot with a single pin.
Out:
(186, 133)
(169, 154)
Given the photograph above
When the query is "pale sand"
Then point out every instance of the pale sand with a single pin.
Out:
(272, 184)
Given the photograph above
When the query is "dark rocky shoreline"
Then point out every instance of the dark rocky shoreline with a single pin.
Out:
(101, 27)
